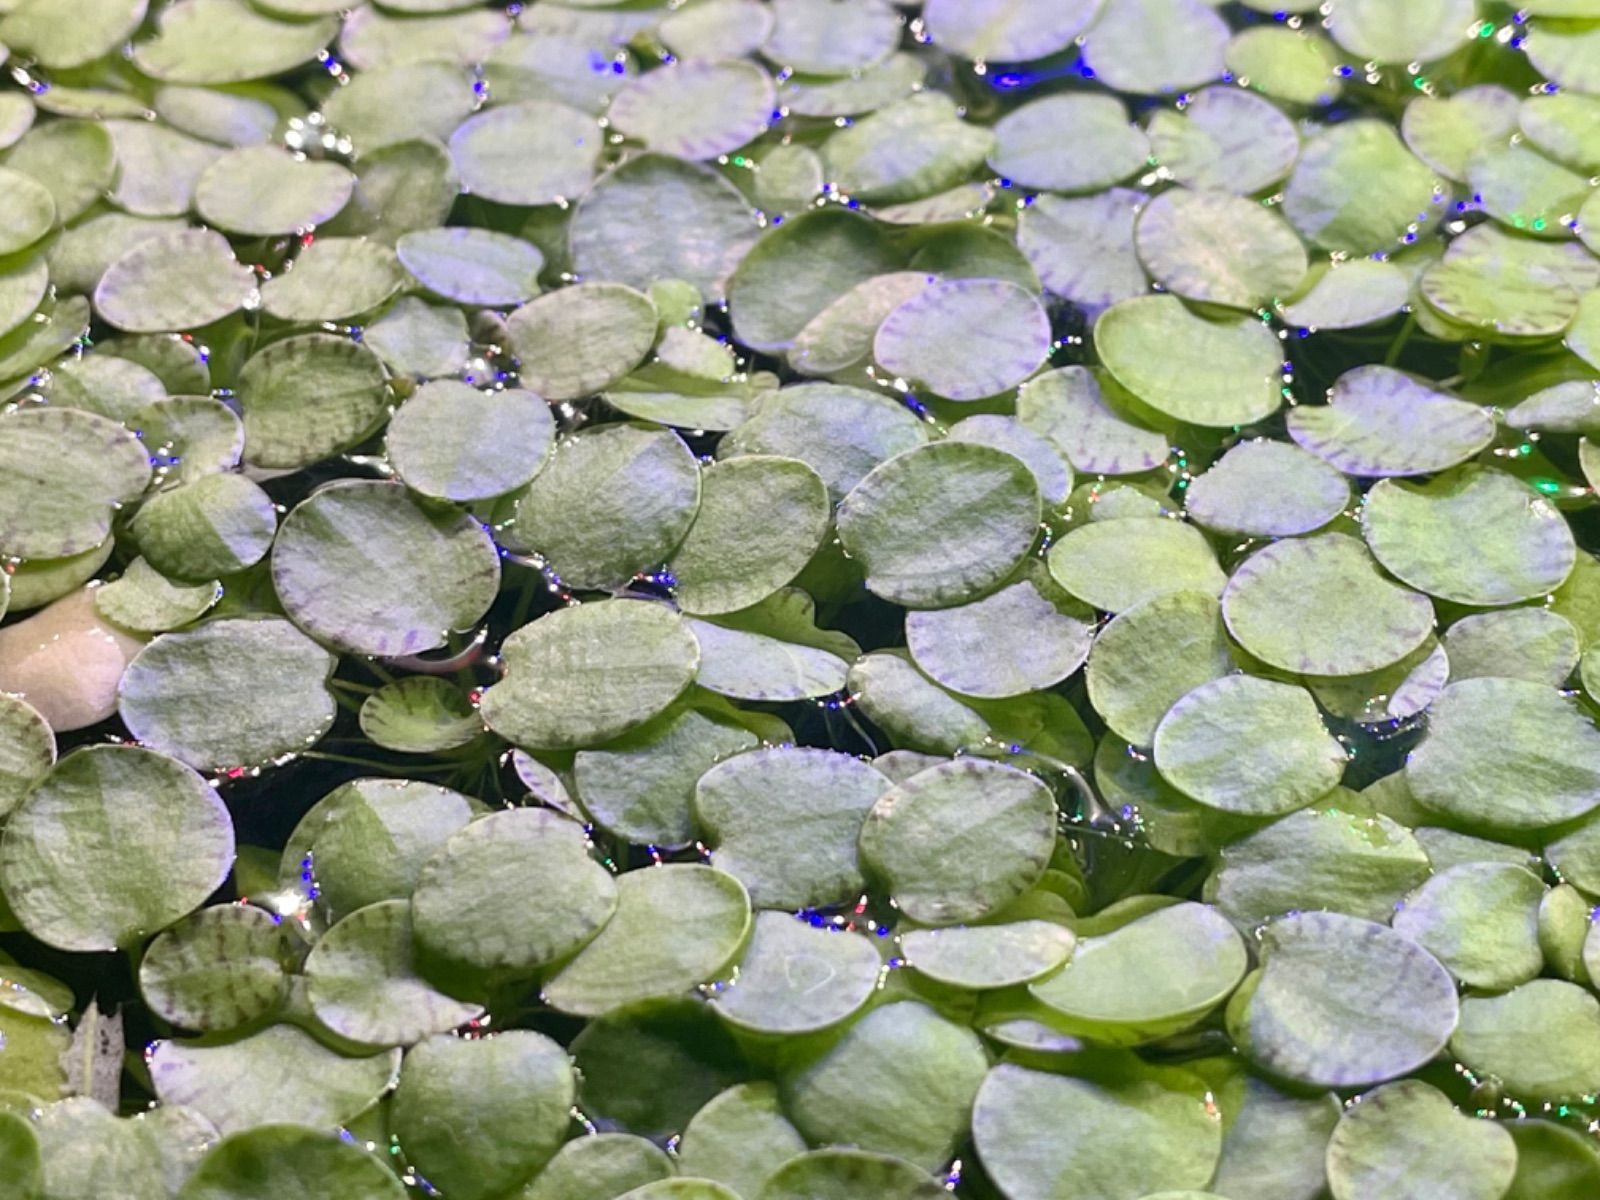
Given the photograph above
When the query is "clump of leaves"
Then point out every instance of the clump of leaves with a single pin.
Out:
(799, 600)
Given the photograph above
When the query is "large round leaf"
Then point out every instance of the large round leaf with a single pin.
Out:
(116, 843)
(232, 693)
(365, 567)
(580, 676)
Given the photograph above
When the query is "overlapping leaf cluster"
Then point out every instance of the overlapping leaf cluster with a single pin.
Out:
(799, 599)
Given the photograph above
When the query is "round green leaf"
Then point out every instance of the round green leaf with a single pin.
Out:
(394, 104)
(1347, 862)
(1156, 46)
(639, 787)
(582, 339)
(1563, 126)
(798, 269)
(1503, 286)
(1106, 149)
(1007, 32)
(1540, 1040)
(479, 1116)
(656, 217)
(191, 435)
(1519, 545)
(27, 751)
(1274, 1144)
(965, 338)
(841, 433)
(721, 567)
(260, 191)
(826, 39)
(695, 109)
(795, 979)
(232, 693)
(1069, 407)
(420, 714)
(1114, 565)
(218, 524)
(907, 151)
(1262, 488)
(459, 905)
(275, 1160)
(1219, 249)
(361, 565)
(1156, 975)
(981, 957)
(29, 214)
(334, 279)
(1201, 372)
(532, 152)
(1248, 745)
(1225, 139)
(1481, 920)
(717, 29)
(1526, 190)
(745, 665)
(1520, 643)
(454, 442)
(1420, 30)
(1363, 621)
(1082, 247)
(1443, 131)
(157, 167)
(217, 969)
(1357, 189)
(641, 488)
(362, 984)
(368, 839)
(959, 841)
(785, 821)
(583, 675)
(307, 397)
(99, 27)
(115, 843)
(112, 387)
(675, 927)
(900, 1081)
(1151, 655)
(372, 38)
(599, 1167)
(941, 524)
(1407, 1140)
(835, 1174)
(1310, 1014)
(1506, 754)
(1042, 1135)
(417, 338)
(75, 160)
(227, 41)
(739, 1138)
(290, 1072)
(1015, 641)
(1351, 293)
(62, 473)
(471, 265)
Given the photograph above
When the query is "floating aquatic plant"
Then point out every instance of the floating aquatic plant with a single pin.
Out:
(799, 600)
